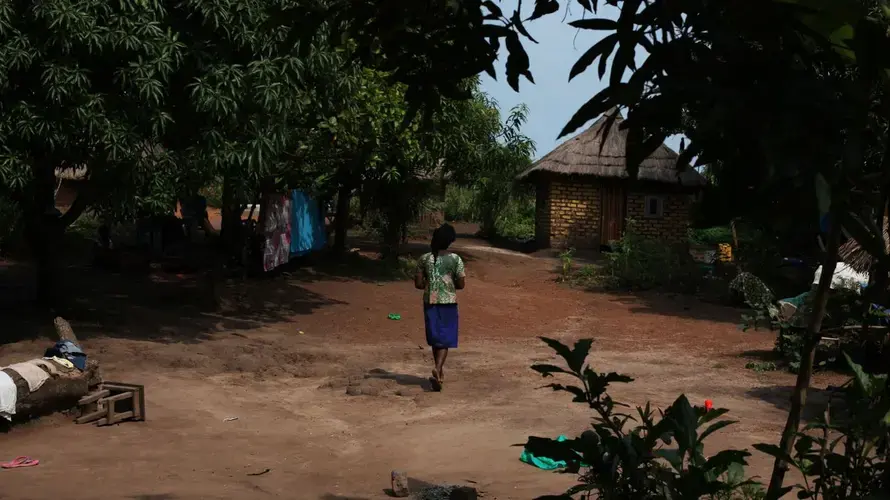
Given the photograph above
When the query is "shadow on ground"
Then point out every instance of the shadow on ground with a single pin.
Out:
(156, 306)
(401, 379)
(780, 397)
(678, 305)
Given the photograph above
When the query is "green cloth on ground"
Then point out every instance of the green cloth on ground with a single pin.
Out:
(545, 463)
(394, 316)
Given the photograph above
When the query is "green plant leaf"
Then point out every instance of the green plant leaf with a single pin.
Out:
(863, 381)
(591, 109)
(579, 354)
(561, 349)
(602, 48)
(549, 370)
(685, 421)
(672, 456)
(594, 24)
(517, 22)
(580, 395)
(712, 415)
(723, 459)
(714, 428)
(543, 8)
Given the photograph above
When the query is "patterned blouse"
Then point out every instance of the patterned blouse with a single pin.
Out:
(440, 275)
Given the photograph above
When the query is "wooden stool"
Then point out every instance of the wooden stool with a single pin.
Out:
(112, 403)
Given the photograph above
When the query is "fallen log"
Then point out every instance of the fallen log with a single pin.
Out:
(61, 390)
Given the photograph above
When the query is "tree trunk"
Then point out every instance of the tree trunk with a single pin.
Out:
(44, 232)
(392, 235)
(341, 218)
(807, 358)
(61, 391)
(230, 217)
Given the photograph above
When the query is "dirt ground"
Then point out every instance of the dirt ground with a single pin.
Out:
(331, 396)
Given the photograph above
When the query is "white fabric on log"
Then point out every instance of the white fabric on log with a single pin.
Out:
(51, 367)
(7, 396)
(33, 374)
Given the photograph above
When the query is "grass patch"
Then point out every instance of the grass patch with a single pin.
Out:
(86, 226)
(761, 366)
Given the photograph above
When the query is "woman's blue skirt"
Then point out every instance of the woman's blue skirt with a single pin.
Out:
(440, 321)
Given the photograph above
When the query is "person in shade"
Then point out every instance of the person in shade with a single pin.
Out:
(440, 274)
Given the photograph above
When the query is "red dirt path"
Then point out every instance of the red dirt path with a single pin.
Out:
(332, 410)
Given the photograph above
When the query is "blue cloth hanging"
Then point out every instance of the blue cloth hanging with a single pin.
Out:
(307, 225)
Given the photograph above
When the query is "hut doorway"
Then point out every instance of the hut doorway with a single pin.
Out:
(614, 201)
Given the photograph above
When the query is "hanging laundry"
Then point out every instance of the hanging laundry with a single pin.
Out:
(34, 375)
(8, 396)
(307, 224)
(277, 229)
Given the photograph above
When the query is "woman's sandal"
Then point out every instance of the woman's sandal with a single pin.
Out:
(436, 382)
(20, 462)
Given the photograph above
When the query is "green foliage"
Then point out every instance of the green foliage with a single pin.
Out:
(761, 366)
(567, 260)
(84, 84)
(516, 219)
(710, 235)
(11, 227)
(490, 170)
(460, 204)
(641, 263)
(634, 455)
(86, 226)
(846, 453)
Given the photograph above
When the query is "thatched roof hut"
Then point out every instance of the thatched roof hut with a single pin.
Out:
(72, 173)
(854, 256)
(587, 154)
(584, 195)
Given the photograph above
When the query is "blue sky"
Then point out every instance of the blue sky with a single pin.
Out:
(552, 100)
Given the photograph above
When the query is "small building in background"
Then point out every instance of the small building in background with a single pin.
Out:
(584, 195)
(68, 182)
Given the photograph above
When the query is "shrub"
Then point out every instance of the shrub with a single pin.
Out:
(710, 235)
(642, 263)
(516, 219)
(460, 204)
(509, 215)
(644, 455)
(846, 453)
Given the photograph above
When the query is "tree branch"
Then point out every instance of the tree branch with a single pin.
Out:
(81, 203)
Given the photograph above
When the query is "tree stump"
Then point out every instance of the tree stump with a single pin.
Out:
(61, 391)
(400, 487)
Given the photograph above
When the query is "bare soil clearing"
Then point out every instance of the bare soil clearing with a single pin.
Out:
(332, 410)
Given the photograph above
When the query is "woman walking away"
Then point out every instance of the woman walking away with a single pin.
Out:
(440, 274)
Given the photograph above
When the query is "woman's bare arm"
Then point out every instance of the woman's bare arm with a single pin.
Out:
(460, 282)
(419, 280)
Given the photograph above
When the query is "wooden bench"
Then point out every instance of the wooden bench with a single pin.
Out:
(112, 403)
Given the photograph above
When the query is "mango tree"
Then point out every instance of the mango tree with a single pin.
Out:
(83, 85)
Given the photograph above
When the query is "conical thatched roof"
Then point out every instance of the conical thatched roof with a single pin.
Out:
(585, 154)
(854, 256)
(71, 173)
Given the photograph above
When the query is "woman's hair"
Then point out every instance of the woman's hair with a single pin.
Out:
(443, 237)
